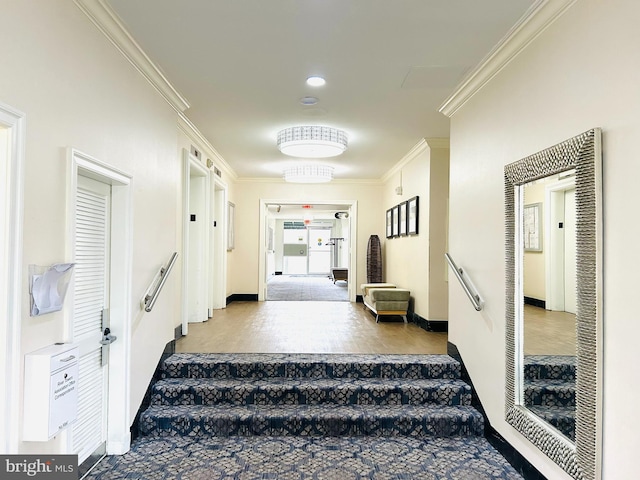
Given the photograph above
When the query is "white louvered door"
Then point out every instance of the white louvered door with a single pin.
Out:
(91, 297)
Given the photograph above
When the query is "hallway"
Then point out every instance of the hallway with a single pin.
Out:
(307, 327)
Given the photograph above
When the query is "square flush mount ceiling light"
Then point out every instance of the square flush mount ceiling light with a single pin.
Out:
(312, 141)
(308, 173)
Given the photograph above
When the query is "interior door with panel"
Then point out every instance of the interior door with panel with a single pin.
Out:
(90, 321)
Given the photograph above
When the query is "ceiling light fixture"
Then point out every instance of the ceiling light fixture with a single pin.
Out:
(316, 81)
(308, 173)
(312, 141)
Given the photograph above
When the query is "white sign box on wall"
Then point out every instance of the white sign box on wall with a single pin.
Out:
(50, 391)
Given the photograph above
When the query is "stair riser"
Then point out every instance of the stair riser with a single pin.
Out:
(318, 370)
(180, 395)
(301, 426)
(550, 372)
(550, 398)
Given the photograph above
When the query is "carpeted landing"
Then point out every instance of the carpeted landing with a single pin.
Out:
(319, 288)
(309, 416)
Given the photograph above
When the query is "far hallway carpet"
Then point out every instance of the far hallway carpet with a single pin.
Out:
(306, 288)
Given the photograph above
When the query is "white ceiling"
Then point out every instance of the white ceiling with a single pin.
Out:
(389, 65)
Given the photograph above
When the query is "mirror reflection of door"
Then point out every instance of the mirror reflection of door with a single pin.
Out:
(570, 286)
(549, 289)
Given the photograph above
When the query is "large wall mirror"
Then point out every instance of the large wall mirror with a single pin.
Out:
(554, 291)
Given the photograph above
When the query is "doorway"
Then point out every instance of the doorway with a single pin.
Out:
(218, 287)
(315, 225)
(561, 279)
(12, 148)
(100, 245)
(195, 242)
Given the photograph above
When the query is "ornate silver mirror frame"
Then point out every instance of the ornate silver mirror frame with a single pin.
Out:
(581, 459)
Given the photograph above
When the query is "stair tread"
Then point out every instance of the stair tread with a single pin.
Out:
(310, 365)
(312, 382)
(555, 410)
(549, 384)
(251, 358)
(325, 410)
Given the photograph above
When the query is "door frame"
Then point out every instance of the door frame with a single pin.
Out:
(218, 284)
(262, 250)
(554, 256)
(12, 181)
(120, 284)
(189, 163)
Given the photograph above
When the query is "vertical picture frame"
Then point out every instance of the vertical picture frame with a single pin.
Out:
(403, 220)
(532, 238)
(396, 221)
(413, 210)
(389, 223)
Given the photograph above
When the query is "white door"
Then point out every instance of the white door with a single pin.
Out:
(570, 285)
(319, 251)
(90, 314)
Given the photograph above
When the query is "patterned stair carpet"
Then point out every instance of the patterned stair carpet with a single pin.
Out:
(550, 390)
(309, 416)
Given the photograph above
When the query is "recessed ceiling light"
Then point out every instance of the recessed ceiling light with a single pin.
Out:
(308, 100)
(316, 81)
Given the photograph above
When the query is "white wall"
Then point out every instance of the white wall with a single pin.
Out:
(424, 174)
(77, 90)
(581, 72)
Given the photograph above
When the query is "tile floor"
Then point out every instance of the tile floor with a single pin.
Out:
(306, 327)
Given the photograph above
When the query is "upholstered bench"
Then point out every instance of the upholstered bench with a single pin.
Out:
(386, 299)
(339, 274)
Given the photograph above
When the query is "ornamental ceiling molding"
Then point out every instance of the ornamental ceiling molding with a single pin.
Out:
(187, 127)
(418, 148)
(541, 14)
(108, 22)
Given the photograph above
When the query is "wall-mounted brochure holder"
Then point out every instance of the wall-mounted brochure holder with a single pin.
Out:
(48, 287)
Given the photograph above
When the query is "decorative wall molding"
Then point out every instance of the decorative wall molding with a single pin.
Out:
(417, 149)
(541, 14)
(190, 130)
(107, 21)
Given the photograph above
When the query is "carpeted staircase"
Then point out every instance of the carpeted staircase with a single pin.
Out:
(309, 416)
(311, 395)
(550, 390)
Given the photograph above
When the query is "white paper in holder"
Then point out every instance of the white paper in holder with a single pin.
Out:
(49, 287)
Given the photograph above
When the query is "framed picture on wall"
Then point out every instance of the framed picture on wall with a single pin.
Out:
(412, 215)
(403, 219)
(390, 223)
(231, 220)
(396, 221)
(531, 224)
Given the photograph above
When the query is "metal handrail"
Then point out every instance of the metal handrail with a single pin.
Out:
(150, 298)
(467, 286)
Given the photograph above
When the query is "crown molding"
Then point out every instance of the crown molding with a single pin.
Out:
(417, 149)
(438, 142)
(539, 16)
(191, 131)
(107, 21)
